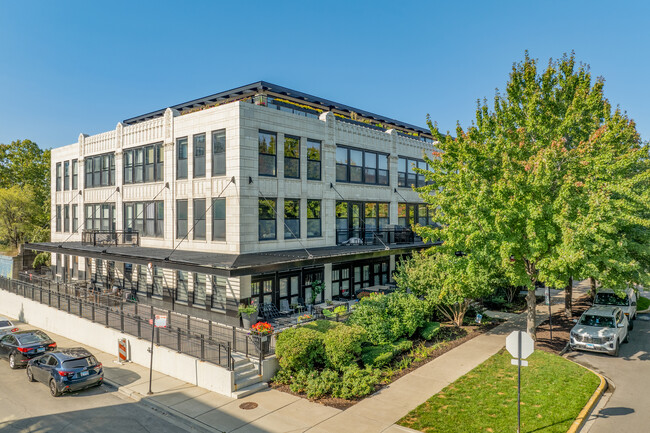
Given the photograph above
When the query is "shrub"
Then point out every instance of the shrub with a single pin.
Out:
(341, 309)
(283, 377)
(343, 345)
(356, 382)
(389, 317)
(378, 356)
(321, 326)
(300, 348)
(319, 385)
(299, 380)
(429, 330)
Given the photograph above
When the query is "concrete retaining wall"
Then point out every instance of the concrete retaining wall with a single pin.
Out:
(166, 361)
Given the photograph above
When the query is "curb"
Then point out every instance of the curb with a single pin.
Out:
(584, 413)
(158, 407)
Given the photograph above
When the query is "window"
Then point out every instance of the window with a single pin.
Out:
(144, 164)
(219, 219)
(58, 217)
(147, 218)
(142, 278)
(357, 166)
(219, 152)
(370, 217)
(341, 281)
(75, 218)
(313, 160)
(66, 175)
(291, 219)
(219, 292)
(158, 277)
(291, 156)
(181, 219)
(262, 290)
(406, 175)
(100, 170)
(198, 295)
(66, 218)
(100, 216)
(58, 176)
(383, 215)
(181, 286)
(267, 219)
(199, 155)
(181, 158)
(199, 219)
(313, 219)
(75, 174)
(267, 150)
(410, 214)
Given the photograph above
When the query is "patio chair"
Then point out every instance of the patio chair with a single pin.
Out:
(284, 307)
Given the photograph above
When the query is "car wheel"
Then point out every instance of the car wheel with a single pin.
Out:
(30, 375)
(616, 349)
(12, 361)
(53, 389)
(630, 325)
(627, 338)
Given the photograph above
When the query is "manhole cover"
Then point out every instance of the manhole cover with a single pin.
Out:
(248, 405)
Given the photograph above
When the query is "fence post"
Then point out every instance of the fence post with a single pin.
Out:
(80, 313)
(139, 323)
(169, 318)
(157, 335)
(178, 339)
(68, 303)
(229, 354)
(40, 296)
(58, 301)
(234, 338)
(106, 311)
(202, 348)
(188, 323)
(122, 321)
(92, 312)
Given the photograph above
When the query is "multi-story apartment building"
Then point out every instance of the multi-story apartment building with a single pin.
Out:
(248, 195)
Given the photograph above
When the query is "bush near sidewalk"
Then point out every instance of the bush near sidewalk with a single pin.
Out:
(642, 303)
(553, 392)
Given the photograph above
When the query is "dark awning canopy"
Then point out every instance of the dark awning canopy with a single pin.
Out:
(228, 265)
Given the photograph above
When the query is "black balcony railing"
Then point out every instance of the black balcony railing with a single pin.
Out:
(383, 236)
(110, 237)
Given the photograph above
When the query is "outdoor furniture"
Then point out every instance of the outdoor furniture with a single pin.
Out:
(270, 313)
(284, 307)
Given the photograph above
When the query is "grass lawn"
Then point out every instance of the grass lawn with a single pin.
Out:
(642, 303)
(553, 391)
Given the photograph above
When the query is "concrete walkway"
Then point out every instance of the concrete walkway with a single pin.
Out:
(280, 412)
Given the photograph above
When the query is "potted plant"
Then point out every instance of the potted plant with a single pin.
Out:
(262, 330)
(304, 318)
(248, 314)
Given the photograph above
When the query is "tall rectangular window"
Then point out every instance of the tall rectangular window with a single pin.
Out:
(128, 166)
(199, 155)
(267, 228)
(198, 295)
(291, 156)
(219, 219)
(291, 218)
(382, 172)
(219, 285)
(267, 150)
(370, 167)
(58, 217)
(105, 173)
(66, 175)
(383, 215)
(181, 219)
(97, 171)
(58, 176)
(219, 152)
(75, 218)
(158, 280)
(75, 174)
(88, 164)
(160, 162)
(313, 160)
(149, 164)
(143, 164)
(66, 218)
(401, 172)
(199, 218)
(181, 286)
(341, 164)
(138, 165)
(100, 170)
(313, 219)
(181, 158)
(356, 166)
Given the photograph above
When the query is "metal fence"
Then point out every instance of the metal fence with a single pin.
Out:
(206, 340)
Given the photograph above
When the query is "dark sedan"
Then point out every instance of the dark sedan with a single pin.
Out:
(66, 370)
(21, 346)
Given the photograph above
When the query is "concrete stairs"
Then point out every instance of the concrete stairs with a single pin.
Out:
(247, 379)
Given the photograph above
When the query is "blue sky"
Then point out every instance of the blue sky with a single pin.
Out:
(71, 67)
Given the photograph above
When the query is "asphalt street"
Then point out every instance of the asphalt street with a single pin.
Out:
(625, 406)
(29, 407)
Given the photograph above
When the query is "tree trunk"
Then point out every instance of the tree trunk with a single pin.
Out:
(592, 285)
(568, 294)
(530, 316)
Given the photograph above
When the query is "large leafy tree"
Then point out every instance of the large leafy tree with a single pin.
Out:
(18, 208)
(510, 187)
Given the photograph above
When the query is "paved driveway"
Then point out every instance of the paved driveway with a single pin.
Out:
(626, 405)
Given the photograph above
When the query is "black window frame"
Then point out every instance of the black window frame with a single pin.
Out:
(292, 218)
(292, 163)
(182, 203)
(182, 293)
(198, 219)
(199, 289)
(362, 174)
(75, 174)
(143, 164)
(199, 159)
(181, 160)
(58, 218)
(58, 175)
(313, 164)
(218, 293)
(66, 175)
(66, 218)
(100, 170)
(406, 174)
(266, 153)
(149, 215)
(271, 203)
(218, 142)
(218, 210)
(95, 216)
(313, 218)
(75, 218)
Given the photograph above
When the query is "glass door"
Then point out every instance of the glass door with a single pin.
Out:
(288, 290)
(354, 220)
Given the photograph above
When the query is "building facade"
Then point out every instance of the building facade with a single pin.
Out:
(248, 195)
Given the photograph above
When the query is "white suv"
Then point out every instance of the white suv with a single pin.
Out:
(626, 302)
(600, 329)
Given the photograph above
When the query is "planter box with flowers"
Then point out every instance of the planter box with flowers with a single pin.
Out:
(261, 333)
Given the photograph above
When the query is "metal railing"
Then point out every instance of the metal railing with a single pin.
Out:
(204, 339)
(383, 236)
(110, 237)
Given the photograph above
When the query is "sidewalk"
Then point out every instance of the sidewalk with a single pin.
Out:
(276, 411)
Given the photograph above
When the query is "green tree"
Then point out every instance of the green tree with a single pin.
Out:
(18, 208)
(447, 282)
(509, 188)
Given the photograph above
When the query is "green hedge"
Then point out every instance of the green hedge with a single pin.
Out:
(300, 348)
(378, 356)
(429, 330)
(343, 345)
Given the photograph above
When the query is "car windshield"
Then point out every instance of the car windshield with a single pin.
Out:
(610, 299)
(4, 323)
(80, 362)
(36, 337)
(600, 321)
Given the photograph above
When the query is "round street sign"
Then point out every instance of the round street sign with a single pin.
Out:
(527, 344)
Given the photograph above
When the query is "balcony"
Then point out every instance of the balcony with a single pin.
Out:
(384, 236)
(109, 238)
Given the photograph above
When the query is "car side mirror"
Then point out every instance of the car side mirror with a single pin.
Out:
(575, 320)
